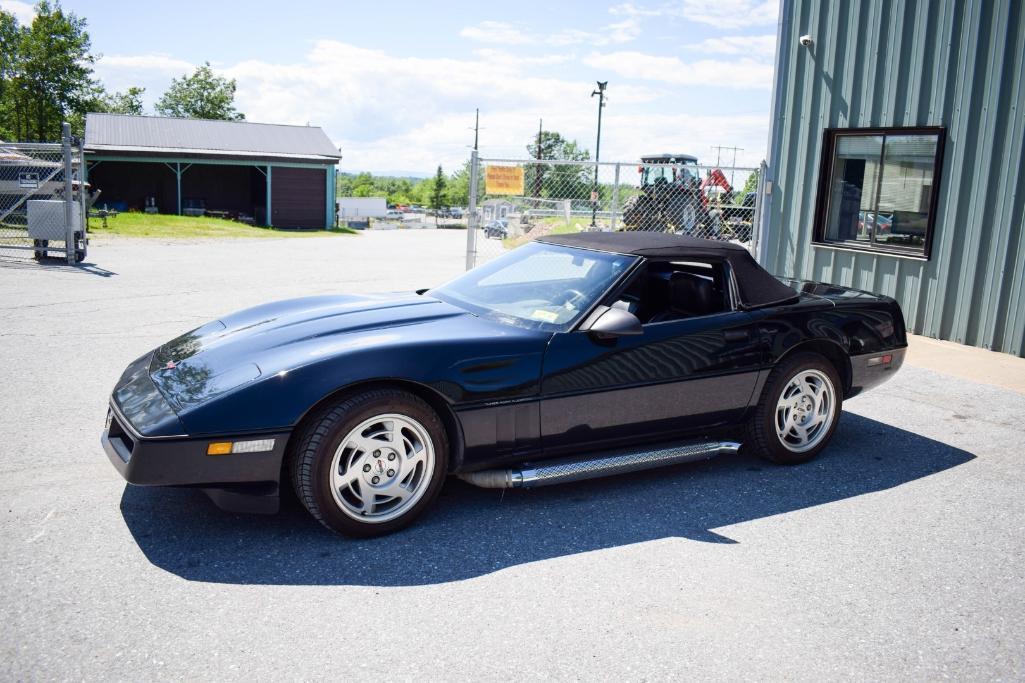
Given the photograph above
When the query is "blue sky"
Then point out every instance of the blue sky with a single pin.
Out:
(395, 85)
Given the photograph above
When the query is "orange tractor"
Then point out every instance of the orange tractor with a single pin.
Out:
(721, 212)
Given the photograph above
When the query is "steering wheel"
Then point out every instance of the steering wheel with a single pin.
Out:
(572, 296)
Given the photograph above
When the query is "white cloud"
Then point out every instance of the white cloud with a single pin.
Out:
(390, 112)
(502, 33)
(628, 9)
(497, 32)
(22, 11)
(509, 59)
(152, 72)
(160, 63)
(730, 14)
(619, 32)
(756, 46)
(742, 73)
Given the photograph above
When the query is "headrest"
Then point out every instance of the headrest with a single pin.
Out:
(692, 293)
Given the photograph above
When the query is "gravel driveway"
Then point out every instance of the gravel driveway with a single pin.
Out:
(899, 554)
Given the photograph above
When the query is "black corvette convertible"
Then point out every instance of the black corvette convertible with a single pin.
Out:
(571, 357)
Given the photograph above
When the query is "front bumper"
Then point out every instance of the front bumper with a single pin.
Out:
(183, 461)
(868, 370)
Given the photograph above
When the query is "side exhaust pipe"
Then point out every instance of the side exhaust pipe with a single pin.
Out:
(598, 465)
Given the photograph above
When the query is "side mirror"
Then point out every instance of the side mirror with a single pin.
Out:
(615, 322)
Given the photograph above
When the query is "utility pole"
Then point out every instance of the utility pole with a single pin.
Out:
(718, 151)
(600, 92)
(476, 127)
(539, 170)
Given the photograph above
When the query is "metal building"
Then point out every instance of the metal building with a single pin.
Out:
(283, 176)
(895, 159)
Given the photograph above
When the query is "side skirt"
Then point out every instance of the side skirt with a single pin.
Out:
(593, 465)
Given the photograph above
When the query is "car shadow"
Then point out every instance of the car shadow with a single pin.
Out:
(472, 531)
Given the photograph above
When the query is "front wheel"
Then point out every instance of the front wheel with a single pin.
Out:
(798, 410)
(372, 463)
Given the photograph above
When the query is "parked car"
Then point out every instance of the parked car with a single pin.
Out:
(455, 212)
(880, 223)
(394, 215)
(498, 229)
(573, 356)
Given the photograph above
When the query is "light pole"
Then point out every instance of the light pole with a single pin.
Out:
(600, 92)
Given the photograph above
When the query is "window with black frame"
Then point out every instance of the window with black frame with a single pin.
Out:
(878, 189)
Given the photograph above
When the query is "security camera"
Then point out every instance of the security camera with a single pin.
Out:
(806, 41)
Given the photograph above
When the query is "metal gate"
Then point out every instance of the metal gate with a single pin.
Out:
(43, 203)
(513, 201)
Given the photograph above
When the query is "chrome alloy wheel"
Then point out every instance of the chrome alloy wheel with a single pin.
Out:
(382, 468)
(804, 411)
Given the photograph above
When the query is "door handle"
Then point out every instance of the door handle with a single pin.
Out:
(736, 335)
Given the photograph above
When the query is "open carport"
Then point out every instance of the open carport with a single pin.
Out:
(281, 176)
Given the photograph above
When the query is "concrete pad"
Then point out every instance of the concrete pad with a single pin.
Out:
(967, 362)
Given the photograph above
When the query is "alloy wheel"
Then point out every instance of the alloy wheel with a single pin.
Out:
(804, 411)
(382, 468)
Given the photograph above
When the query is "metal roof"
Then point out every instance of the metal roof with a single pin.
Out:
(670, 157)
(163, 136)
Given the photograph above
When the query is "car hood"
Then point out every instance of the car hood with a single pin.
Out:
(279, 337)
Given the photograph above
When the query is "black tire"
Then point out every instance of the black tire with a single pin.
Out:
(763, 437)
(312, 454)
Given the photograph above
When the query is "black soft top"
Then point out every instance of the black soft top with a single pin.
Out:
(757, 286)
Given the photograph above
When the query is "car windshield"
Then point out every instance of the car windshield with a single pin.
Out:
(539, 286)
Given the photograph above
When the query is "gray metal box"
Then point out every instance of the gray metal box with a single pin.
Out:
(46, 219)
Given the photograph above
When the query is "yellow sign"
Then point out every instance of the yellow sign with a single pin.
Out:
(503, 180)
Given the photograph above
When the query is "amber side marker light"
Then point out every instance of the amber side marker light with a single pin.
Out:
(228, 447)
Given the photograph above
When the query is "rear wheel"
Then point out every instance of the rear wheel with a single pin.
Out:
(798, 410)
(372, 463)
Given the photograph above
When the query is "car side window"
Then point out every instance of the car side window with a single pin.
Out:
(666, 291)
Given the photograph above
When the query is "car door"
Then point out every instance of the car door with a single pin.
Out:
(677, 377)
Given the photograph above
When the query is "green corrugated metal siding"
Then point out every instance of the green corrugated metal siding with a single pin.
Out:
(951, 63)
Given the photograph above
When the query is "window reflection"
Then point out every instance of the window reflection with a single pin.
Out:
(881, 189)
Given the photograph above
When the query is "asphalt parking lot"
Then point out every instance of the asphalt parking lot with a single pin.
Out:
(899, 554)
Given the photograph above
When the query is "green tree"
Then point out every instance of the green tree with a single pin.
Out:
(46, 74)
(422, 191)
(554, 146)
(128, 102)
(437, 196)
(395, 190)
(751, 185)
(458, 191)
(557, 181)
(10, 37)
(202, 95)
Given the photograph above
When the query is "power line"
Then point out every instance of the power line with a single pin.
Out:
(718, 152)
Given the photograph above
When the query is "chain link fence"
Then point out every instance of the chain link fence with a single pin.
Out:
(43, 202)
(514, 201)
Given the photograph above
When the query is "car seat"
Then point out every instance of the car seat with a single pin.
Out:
(690, 295)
